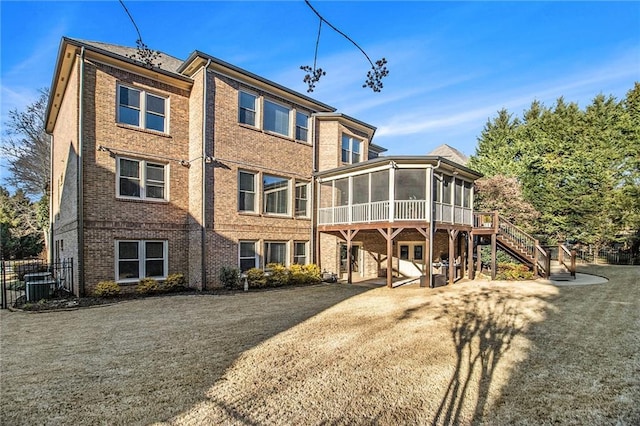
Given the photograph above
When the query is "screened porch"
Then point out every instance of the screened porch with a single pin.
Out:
(396, 191)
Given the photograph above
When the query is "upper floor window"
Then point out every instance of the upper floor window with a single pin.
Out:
(302, 199)
(276, 118)
(247, 108)
(141, 109)
(351, 150)
(302, 127)
(275, 194)
(141, 179)
(247, 192)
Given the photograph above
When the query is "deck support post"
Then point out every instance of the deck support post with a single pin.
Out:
(470, 255)
(452, 262)
(348, 236)
(389, 235)
(478, 257)
(426, 257)
(494, 262)
(389, 257)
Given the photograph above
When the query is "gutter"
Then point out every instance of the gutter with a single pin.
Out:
(312, 196)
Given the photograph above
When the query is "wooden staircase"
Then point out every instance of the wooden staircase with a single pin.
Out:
(514, 241)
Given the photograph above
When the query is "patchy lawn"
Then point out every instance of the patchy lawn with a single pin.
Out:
(494, 353)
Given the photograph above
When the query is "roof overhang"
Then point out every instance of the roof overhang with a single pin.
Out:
(345, 120)
(437, 162)
(198, 60)
(67, 53)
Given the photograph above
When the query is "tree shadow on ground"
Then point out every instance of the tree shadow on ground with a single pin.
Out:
(483, 327)
(581, 366)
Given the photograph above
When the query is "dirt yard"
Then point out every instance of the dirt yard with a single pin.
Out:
(473, 353)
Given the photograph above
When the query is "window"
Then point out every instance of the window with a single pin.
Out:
(404, 252)
(247, 108)
(140, 259)
(417, 252)
(302, 199)
(351, 149)
(275, 252)
(247, 192)
(275, 194)
(302, 127)
(141, 109)
(248, 255)
(300, 253)
(141, 179)
(276, 118)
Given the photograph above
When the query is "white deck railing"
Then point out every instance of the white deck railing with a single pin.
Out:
(404, 210)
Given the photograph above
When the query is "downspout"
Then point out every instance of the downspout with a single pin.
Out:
(312, 237)
(432, 224)
(50, 231)
(203, 236)
(81, 180)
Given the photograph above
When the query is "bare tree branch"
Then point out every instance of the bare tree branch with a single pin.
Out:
(374, 77)
(25, 144)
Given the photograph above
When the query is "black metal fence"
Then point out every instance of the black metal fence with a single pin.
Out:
(32, 280)
(609, 256)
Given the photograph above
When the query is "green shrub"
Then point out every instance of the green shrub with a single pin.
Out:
(106, 289)
(230, 277)
(173, 283)
(256, 278)
(147, 286)
(278, 275)
(513, 272)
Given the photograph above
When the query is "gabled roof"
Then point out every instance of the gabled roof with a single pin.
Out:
(119, 56)
(166, 62)
(450, 153)
(197, 60)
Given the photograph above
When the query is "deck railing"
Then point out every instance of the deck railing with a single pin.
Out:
(403, 210)
(518, 238)
(567, 258)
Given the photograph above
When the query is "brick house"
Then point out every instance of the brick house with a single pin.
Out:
(192, 165)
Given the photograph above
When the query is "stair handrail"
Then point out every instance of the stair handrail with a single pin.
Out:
(524, 241)
(518, 236)
(543, 261)
(564, 251)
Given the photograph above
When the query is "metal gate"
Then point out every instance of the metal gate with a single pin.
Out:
(31, 280)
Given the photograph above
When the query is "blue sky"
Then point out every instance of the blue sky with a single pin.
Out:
(452, 65)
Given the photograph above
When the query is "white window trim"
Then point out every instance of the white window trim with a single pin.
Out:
(257, 105)
(256, 192)
(143, 180)
(143, 109)
(306, 251)
(295, 126)
(287, 260)
(256, 256)
(295, 197)
(291, 119)
(263, 198)
(350, 150)
(141, 260)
